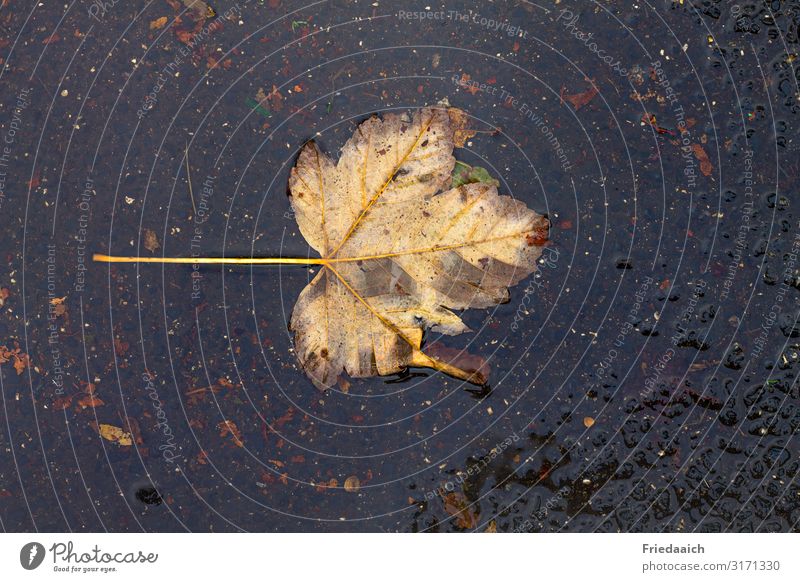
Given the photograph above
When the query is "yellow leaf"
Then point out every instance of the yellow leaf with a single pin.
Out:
(352, 484)
(400, 251)
(115, 435)
(158, 23)
(588, 421)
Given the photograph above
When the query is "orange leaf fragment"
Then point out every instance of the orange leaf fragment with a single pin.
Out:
(90, 402)
(459, 122)
(580, 99)
(115, 435)
(705, 163)
(228, 427)
(158, 23)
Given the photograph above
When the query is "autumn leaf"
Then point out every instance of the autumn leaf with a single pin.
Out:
(400, 249)
(115, 434)
(397, 256)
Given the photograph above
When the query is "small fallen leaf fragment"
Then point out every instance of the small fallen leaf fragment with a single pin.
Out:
(225, 383)
(20, 364)
(588, 421)
(228, 427)
(651, 121)
(115, 435)
(466, 174)
(4, 294)
(492, 527)
(580, 99)
(185, 36)
(63, 402)
(120, 346)
(59, 307)
(465, 83)
(705, 163)
(150, 240)
(274, 99)
(158, 23)
(255, 106)
(459, 122)
(457, 505)
(352, 484)
(19, 358)
(90, 402)
(198, 9)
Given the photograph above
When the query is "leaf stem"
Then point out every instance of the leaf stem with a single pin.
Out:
(422, 360)
(211, 260)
